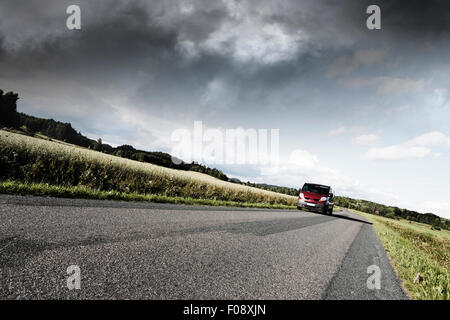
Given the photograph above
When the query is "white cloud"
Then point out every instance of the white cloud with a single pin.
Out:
(416, 148)
(367, 140)
(337, 131)
(248, 36)
(397, 152)
(252, 41)
(303, 158)
(430, 139)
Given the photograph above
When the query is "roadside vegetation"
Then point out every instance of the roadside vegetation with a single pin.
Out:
(393, 212)
(80, 192)
(419, 253)
(29, 160)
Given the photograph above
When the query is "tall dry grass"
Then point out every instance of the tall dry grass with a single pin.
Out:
(33, 160)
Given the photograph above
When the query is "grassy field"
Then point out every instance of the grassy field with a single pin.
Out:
(420, 255)
(36, 162)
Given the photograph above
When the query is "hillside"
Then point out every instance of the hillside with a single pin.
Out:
(31, 160)
(39, 127)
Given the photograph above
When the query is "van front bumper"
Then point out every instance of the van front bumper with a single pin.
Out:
(310, 205)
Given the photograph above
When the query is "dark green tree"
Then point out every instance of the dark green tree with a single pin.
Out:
(8, 109)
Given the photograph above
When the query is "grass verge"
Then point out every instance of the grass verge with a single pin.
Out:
(43, 189)
(419, 255)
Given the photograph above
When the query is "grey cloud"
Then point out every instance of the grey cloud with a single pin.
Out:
(142, 49)
(330, 22)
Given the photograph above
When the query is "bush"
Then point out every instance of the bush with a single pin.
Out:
(390, 215)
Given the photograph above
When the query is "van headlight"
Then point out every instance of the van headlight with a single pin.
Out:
(302, 196)
(323, 199)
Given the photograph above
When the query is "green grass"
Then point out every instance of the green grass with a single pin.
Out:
(424, 229)
(43, 189)
(416, 249)
(32, 160)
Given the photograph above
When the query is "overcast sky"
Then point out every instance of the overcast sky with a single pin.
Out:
(366, 111)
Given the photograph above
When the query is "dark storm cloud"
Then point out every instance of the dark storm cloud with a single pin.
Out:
(417, 19)
(202, 55)
(116, 31)
(118, 35)
(128, 44)
(109, 39)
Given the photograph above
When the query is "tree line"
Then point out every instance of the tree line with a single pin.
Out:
(393, 212)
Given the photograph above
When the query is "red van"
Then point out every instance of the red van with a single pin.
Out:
(316, 197)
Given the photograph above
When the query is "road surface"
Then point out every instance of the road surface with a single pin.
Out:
(160, 251)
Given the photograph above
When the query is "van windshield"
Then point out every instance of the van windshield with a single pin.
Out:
(315, 188)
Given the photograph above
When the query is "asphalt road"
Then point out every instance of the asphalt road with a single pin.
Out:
(160, 251)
